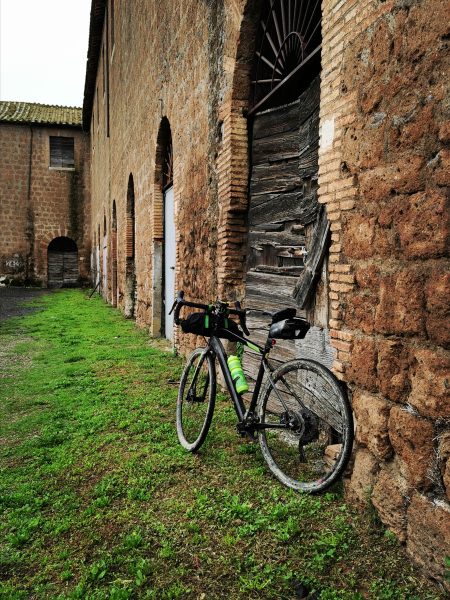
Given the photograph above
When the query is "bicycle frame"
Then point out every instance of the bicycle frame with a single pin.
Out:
(247, 421)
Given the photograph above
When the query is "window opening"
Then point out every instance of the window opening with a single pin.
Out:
(62, 152)
(287, 51)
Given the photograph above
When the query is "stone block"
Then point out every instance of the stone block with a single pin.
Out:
(428, 536)
(358, 236)
(430, 383)
(394, 361)
(368, 277)
(385, 181)
(438, 306)
(400, 310)
(372, 417)
(442, 170)
(362, 369)
(389, 497)
(359, 312)
(412, 439)
(422, 222)
(444, 460)
(359, 488)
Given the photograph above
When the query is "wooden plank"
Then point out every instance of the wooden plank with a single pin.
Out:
(272, 177)
(305, 287)
(276, 120)
(294, 271)
(279, 208)
(283, 143)
(268, 291)
(277, 238)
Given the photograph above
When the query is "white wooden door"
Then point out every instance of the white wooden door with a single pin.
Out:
(169, 261)
(105, 264)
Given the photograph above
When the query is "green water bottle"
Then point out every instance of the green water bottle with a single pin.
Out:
(237, 374)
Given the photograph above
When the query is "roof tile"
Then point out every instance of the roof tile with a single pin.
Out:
(45, 114)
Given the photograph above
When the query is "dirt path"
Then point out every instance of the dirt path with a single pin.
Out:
(12, 301)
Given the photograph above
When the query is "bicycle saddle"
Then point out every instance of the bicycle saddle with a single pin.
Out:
(285, 313)
(289, 329)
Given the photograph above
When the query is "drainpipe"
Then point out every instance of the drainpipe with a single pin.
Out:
(29, 265)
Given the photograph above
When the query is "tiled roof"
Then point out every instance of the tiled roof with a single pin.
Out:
(45, 114)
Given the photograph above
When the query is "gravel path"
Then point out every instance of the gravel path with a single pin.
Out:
(12, 301)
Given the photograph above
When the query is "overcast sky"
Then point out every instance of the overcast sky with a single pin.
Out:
(43, 48)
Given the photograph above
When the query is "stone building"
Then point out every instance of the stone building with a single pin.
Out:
(292, 154)
(284, 153)
(44, 195)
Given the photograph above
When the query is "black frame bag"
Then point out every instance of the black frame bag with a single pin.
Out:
(202, 323)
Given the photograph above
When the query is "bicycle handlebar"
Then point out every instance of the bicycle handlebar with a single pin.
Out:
(180, 302)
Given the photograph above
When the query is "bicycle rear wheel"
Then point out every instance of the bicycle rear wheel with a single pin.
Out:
(196, 399)
(307, 426)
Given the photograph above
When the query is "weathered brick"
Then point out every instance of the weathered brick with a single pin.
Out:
(430, 383)
(362, 368)
(389, 497)
(363, 478)
(372, 415)
(401, 307)
(422, 222)
(428, 536)
(438, 306)
(412, 439)
(393, 369)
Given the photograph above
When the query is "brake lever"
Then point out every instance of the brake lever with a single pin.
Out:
(242, 318)
(178, 299)
(173, 306)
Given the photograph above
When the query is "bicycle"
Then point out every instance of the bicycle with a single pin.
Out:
(301, 415)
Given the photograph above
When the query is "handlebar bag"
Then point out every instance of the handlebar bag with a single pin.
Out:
(202, 323)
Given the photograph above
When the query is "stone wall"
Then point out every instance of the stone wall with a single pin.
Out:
(384, 178)
(39, 203)
(146, 85)
(383, 169)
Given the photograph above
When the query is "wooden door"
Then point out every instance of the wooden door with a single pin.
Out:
(283, 211)
(169, 261)
(62, 269)
(105, 264)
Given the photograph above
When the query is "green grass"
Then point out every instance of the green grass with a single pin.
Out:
(99, 501)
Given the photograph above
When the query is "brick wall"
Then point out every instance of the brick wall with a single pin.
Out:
(39, 203)
(382, 177)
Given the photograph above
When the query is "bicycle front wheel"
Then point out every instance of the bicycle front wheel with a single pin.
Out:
(306, 434)
(196, 399)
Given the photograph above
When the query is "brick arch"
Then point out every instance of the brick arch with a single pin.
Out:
(104, 256)
(164, 138)
(113, 250)
(233, 162)
(130, 242)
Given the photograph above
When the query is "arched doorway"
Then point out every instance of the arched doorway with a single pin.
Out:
(114, 255)
(130, 283)
(164, 242)
(62, 261)
(288, 231)
(169, 250)
(105, 258)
